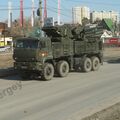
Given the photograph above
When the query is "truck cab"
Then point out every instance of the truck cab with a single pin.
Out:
(30, 55)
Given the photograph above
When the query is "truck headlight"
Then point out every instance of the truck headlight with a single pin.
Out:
(43, 54)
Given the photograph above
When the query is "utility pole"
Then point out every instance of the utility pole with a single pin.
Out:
(119, 24)
(58, 12)
(40, 12)
(45, 10)
(33, 14)
(9, 14)
(21, 13)
(4, 34)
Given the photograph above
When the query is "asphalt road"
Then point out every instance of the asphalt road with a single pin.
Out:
(69, 98)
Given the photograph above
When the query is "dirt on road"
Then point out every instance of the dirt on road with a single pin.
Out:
(6, 60)
(111, 113)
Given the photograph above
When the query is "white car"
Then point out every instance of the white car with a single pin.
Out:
(4, 49)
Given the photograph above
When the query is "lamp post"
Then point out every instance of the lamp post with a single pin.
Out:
(4, 34)
(9, 14)
(58, 12)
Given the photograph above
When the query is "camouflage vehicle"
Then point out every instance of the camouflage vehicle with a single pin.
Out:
(64, 49)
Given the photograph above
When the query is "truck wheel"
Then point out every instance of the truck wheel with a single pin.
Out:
(87, 65)
(62, 68)
(48, 72)
(95, 63)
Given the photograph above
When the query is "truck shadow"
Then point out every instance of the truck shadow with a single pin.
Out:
(11, 78)
(18, 78)
(114, 61)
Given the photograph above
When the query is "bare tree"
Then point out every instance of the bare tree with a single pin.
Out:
(85, 21)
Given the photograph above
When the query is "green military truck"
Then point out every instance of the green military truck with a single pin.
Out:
(65, 48)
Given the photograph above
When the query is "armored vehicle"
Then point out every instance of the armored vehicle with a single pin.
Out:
(64, 49)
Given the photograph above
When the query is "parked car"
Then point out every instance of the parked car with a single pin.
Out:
(5, 48)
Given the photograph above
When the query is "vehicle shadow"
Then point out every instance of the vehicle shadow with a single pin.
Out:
(114, 61)
(17, 77)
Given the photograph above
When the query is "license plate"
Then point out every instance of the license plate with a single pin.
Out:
(24, 67)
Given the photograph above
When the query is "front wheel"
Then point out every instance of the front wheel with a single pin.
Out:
(62, 68)
(48, 72)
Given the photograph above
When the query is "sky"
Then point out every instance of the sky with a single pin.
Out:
(66, 7)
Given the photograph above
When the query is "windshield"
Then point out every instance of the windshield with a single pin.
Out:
(27, 44)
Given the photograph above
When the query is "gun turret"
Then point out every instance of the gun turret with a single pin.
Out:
(93, 31)
(58, 31)
(90, 32)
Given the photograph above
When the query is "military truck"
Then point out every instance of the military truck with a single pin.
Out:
(65, 48)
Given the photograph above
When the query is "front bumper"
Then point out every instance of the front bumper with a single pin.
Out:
(36, 66)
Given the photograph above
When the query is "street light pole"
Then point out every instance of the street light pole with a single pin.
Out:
(58, 12)
(4, 34)
(40, 10)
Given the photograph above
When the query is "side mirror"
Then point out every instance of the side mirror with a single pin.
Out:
(14, 44)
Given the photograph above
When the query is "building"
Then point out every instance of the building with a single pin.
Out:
(6, 41)
(78, 13)
(3, 26)
(95, 15)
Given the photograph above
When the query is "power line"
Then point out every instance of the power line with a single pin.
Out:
(53, 10)
(75, 1)
(97, 3)
(25, 8)
(77, 15)
(61, 4)
(49, 7)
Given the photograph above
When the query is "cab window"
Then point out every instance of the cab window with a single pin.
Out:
(27, 44)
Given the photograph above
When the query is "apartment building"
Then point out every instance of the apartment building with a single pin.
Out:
(95, 15)
(78, 13)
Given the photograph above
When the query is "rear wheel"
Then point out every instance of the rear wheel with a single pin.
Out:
(87, 65)
(62, 68)
(95, 63)
(48, 72)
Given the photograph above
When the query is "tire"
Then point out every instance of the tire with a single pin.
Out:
(95, 63)
(62, 68)
(48, 72)
(87, 65)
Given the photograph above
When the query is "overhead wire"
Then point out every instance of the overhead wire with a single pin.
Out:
(54, 10)
(6, 9)
(28, 8)
(97, 3)
(50, 8)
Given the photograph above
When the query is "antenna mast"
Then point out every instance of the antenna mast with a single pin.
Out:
(33, 14)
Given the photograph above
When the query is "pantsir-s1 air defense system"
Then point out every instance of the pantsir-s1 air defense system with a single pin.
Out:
(64, 49)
